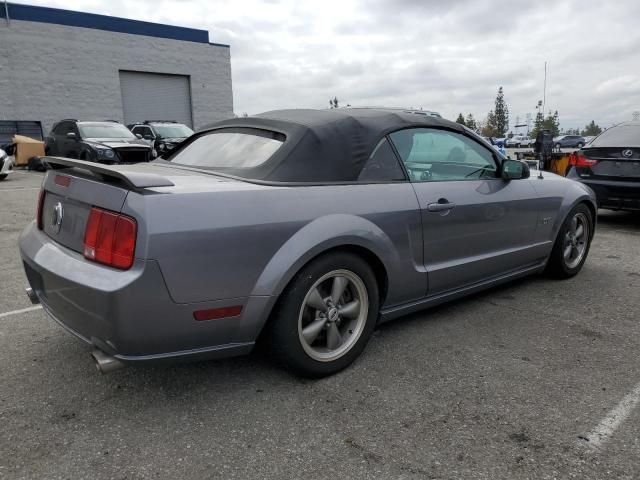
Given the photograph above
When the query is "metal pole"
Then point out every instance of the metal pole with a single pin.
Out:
(544, 93)
(6, 11)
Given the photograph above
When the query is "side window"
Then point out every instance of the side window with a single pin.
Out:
(433, 155)
(63, 128)
(382, 165)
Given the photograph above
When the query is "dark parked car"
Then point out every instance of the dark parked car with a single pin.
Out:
(164, 136)
(569, 141)
(610, 165)
(302, 229)
(104, 142)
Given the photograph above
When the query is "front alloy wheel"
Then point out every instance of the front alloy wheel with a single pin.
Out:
(572, 243)
(576, 240)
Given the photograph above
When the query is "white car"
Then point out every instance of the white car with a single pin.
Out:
(518, 141)
(6, 164)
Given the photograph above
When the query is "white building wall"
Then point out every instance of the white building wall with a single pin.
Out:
(49, 72)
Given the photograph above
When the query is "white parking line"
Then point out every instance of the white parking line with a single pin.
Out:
(18, 188)
(22, 310)
(601, 434)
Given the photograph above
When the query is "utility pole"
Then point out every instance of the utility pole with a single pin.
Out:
(6, 11)
(544, 91)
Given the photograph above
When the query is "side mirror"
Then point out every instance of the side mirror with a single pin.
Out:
(148, 137)
(138, 135)
(71, 135)
(514, 170)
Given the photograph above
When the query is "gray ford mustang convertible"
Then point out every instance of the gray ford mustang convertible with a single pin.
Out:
(298, 229)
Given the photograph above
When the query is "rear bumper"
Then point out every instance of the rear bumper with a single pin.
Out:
(129, 314)
(612, 194)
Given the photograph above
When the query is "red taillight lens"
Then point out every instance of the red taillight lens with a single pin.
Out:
(579, 160)
(39, 210)
(110, 238)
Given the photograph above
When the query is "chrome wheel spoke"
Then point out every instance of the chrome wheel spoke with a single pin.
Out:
(579, 231)
(350, 310)
(311, 331)
(567, 252)
(315, 301)
(338, 288)
(334, 339)
(574, 225)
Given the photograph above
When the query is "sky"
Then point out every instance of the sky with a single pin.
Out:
(448, 56)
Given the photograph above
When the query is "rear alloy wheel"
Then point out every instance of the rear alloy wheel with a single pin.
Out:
(580, 145)
(326, 315)
(572, 244)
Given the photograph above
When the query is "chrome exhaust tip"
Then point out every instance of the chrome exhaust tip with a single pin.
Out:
(32, 296)
(105, 363)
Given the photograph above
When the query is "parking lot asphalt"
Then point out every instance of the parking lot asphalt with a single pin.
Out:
(537, 379)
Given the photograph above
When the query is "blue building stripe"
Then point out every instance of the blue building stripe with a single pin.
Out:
(70, 18)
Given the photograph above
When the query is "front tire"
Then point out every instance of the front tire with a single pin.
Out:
(326, 315)
(572, 244)
(3, 176)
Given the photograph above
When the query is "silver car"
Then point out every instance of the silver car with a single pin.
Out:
(299, 229)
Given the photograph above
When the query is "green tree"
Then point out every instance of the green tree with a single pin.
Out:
(471, 122)
(552, 123)
(490, 128)
(501, 114)
(591, 129)
(333, 102)
(537, 125)
(460, 119)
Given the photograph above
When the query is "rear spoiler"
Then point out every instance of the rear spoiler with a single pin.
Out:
(131, 179)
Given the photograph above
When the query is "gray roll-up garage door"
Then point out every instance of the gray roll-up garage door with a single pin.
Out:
(155, 96)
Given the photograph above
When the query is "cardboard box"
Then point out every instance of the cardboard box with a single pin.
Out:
(26, 148)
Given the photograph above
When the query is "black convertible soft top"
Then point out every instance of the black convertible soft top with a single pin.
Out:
(324, 145)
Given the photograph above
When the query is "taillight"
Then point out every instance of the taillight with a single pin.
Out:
(39, 209)
(110, 238)
(579, 160)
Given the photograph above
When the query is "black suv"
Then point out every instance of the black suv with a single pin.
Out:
(163, 135)
(105, 142)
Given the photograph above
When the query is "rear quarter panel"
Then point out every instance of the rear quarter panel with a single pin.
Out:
(557, 196)
(245, 239)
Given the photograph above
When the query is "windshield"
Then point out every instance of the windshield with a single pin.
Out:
(175, 130)
(620, 136)
(104, 130)
(229, 149)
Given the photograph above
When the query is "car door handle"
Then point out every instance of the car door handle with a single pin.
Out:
(441, 206)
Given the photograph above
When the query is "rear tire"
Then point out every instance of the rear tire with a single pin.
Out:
(325, 317)
(572, 244)
(580, 145)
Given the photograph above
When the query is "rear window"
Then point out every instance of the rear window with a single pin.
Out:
(620, 136)
(229, 149)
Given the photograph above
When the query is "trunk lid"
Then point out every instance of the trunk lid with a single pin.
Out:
(614, 163)
(73, 187)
